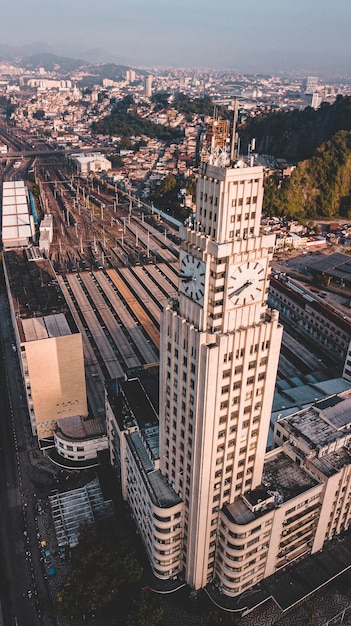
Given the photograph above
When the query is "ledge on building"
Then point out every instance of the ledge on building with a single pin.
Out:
(69, 464)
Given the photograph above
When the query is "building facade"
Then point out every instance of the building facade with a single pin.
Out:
(218, 343)
(212, 506)
(317, 320)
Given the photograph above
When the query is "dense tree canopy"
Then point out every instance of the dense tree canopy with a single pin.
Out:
(319, 187)
(168, 197)
(201, 106)
(105, 580)
(296, 134)
(124, 122)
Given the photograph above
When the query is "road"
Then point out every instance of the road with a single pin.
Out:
(21, 570)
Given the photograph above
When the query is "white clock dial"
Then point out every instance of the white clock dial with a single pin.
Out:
(246, 283)
(192, 277)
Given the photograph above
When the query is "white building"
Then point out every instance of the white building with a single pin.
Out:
(93, 162)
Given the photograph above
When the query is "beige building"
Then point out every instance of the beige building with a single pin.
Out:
(218, 342)
(48, 343)
(53, 368)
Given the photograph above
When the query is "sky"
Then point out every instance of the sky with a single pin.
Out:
(250, 35)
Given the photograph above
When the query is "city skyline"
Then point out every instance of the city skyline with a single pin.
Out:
(311, 37)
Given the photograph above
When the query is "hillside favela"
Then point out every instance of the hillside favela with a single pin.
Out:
(175, 345)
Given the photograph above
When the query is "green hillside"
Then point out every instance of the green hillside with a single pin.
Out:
(320, 187)
(295, 135)
(124, 122)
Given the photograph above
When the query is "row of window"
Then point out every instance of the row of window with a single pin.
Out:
(240, 352)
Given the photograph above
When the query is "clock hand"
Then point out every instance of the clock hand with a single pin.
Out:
(238, 291)
(186, 278)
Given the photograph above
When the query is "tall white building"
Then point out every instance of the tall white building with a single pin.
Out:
(148, 85)
(218, 344)
(210, 504)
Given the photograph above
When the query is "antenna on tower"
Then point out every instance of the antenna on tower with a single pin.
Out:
(233, 152)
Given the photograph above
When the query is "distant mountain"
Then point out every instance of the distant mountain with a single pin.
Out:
(295, 135)
(16, 54)
(51, 62)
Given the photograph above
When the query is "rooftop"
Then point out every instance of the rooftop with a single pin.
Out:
(33, 287)
(160, 491)
(332, 463)
(35, 328)
(325, 422)
(284, 478)
(78, 428)
(135, 402)
(16, 226)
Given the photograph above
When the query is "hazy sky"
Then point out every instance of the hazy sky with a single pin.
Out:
(256, 35)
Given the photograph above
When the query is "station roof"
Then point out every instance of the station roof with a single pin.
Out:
(337, 265)
(33, 286)
(16, 226)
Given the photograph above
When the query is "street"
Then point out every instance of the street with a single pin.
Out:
(24, 592)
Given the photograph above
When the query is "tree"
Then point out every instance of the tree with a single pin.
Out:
(116, 160)
(39, 114)
(105, 579)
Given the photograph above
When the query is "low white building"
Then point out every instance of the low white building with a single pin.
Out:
(79, 439)
(46, 231)
(93, 162)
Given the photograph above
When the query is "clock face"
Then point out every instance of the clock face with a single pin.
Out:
(192, 277)
(246, 283)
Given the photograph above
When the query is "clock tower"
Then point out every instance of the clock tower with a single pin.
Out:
(220, 346)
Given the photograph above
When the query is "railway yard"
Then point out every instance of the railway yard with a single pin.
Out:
(117, 265)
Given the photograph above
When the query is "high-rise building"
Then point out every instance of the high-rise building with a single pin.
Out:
(311, 84)
(148, 86)
(130, 76)
(210, 504)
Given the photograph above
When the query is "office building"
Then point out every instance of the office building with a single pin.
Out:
(213, 508)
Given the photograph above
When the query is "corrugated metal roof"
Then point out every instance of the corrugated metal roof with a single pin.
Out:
(16, 227)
